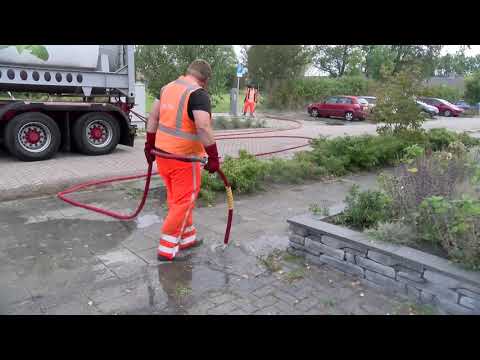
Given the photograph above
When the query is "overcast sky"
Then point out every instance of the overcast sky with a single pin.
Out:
(474, 49)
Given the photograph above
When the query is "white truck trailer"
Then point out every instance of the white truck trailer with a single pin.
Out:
(100, 77)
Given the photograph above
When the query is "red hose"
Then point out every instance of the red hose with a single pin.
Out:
(148, 175)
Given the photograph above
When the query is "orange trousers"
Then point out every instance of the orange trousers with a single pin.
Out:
(182, 180)
(249, 105)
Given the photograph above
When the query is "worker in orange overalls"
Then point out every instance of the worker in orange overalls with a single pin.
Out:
(250, 100)
(181, 123)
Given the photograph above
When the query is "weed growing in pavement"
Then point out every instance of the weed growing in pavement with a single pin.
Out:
(182, 291)
(322, 210)
(292, 258)
(296, 274)
(272, 261)
(330, 303)
(409, 308)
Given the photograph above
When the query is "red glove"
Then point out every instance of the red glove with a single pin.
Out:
(213, 164)
(149, 146)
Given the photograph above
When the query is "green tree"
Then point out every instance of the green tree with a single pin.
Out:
(161, 64)
(377, 57)
(396, 106)
(338, 60)
(392, 59)
(472, 88)
(267, 63)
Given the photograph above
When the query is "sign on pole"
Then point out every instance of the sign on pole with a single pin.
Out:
(240, 70)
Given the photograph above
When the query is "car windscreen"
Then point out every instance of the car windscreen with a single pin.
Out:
(362, 101)
(371, 100)
(445, 102)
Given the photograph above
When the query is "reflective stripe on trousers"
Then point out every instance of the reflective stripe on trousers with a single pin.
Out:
(182, 181)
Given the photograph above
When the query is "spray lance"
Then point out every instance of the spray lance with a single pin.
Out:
(228, 189)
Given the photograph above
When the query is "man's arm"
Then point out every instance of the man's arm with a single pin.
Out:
(203, 123)
(153, 118)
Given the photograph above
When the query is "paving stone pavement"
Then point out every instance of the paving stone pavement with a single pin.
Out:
(25, 179)
(56, 259)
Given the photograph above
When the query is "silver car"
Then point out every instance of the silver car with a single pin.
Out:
(429, 109)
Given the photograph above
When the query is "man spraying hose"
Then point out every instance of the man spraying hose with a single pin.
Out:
(180, 123)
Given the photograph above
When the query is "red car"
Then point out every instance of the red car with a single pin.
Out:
(444, 107)
(347, 107)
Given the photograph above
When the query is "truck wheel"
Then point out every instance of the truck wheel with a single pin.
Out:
(96, 133)
(32, 136)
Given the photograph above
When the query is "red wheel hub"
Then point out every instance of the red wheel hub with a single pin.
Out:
(96, 133)
(32, 136)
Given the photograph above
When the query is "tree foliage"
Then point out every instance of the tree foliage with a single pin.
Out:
(276, 62)
(161, 64)
(396, 106)
(338, 60)
(472, 88)
(392, 59)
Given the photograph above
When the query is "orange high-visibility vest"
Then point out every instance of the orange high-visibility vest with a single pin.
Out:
(176, 132)
(251, 94)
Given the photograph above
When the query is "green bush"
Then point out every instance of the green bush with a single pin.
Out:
(445, 92)
(293, 171)
(472, 88)
(352, 153)
(297, 93)
(365, 209)
(395, 232)
(454, 224)
(396, 107)
(225, 123)
(439, 139)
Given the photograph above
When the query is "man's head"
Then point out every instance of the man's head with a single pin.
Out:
(200, 70)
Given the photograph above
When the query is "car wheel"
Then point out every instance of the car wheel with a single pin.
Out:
(447, 113)
(349, 116)
(96, 133)
(32, 136)
(315, 113)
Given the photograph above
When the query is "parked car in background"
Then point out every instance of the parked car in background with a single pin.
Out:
(372, 101)
(445, 108)
(347, 107)
(429, 109)
(462, 104)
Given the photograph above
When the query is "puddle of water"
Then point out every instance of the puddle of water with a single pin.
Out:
(147, 220)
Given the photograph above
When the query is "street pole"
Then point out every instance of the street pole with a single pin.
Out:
(238, 93)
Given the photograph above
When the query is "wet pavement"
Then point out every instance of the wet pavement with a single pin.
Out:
(59, 259)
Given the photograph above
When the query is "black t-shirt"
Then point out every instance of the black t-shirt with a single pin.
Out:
(199, 100)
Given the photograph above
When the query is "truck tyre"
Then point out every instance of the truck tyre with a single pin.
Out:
(32, 136)
(96, 133)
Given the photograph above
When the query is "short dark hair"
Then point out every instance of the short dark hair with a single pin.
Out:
(201, 69)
